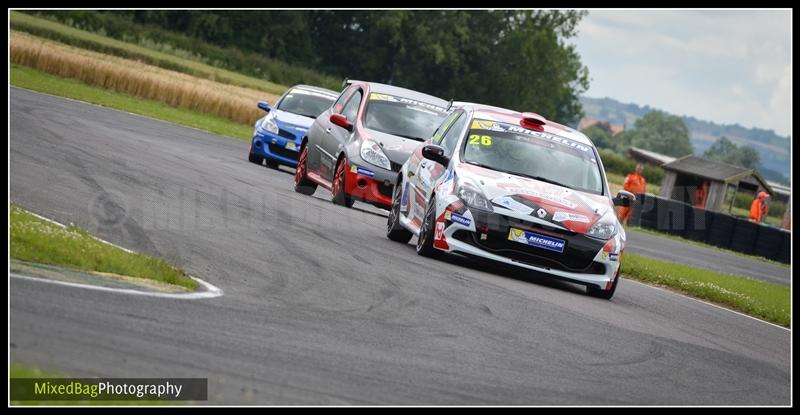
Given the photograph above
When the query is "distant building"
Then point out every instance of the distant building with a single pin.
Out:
(648, 157)
(612, 129)
(683, 176)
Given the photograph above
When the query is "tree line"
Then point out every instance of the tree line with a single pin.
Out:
(518, 59)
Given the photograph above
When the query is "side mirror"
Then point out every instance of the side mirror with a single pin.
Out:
(624, 198)
(341, 121)
(435, 153)
(264, 105)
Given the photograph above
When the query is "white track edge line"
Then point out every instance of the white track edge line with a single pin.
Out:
(186, 296)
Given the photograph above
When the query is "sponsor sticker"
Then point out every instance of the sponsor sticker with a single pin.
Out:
(290, 145)
(455, 217)
(365, 172)
(512, 204)
(391, 98)
(613, 257)
(438, 234)
(574, 217)
(546, 196)
(536, 240)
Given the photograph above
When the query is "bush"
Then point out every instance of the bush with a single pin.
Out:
(616, 163)
(744, 200)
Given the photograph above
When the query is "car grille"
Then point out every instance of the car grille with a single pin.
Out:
(386, 189)
(283, 152)
(578, 254)
(286, 134)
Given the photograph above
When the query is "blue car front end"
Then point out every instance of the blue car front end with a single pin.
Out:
(276, 141)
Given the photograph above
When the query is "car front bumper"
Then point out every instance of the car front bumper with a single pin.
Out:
(274, 147)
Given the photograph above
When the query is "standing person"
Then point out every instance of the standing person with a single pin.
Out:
(700, 195)
(758, 209)
(636, 184)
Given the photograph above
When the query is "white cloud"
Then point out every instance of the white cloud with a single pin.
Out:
(727, 66)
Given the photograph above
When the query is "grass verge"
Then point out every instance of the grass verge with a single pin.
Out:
(36, 80)
(18, 370)
(760, 299)
(36, 240)
(703, 245)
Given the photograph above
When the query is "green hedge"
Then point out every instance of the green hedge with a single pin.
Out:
(744, 200)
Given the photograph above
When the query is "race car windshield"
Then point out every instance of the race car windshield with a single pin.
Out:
(304, 103)
(403, 118)
(540, 156)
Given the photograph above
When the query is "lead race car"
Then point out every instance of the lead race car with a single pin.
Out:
(356, 147)
(514, 188)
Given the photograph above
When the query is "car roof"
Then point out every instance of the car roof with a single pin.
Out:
(403, 92)
(321, 90)
(504, 115)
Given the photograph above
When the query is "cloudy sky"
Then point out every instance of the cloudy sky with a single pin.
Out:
(726, 66)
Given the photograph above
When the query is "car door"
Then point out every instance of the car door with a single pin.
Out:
(335, 137)
(319, 131)
(413, 191)
(429, 171)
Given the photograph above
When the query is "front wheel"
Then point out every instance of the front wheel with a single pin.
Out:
(426, 233)
(394, 230)
(302, 184)
(254, 158)
(593, 291)
(338, 195)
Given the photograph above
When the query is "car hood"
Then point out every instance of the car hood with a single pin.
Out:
(537, 201)
(398, 149)
(291, 119)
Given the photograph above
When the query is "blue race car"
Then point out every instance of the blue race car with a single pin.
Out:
(278, 135)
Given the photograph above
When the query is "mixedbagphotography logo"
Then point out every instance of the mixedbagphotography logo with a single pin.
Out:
(116, 389)
(108, 209)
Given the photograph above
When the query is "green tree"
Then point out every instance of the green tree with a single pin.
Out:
(601, 138)
(663, 133)
(725, 151)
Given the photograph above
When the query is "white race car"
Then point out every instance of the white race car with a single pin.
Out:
(514, 188)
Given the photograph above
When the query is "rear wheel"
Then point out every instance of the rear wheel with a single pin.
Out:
(394, 230)
(255, 158)
(425, 238)
(302, 184)
(339, 196)
(600, 293)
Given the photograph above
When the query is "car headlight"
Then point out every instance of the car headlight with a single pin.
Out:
(605, 228)
(474, 198)
(372, 153)
(269, 124)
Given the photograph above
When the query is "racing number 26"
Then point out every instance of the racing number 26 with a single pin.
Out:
(476, 139)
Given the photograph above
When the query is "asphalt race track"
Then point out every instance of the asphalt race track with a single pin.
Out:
(319, 307)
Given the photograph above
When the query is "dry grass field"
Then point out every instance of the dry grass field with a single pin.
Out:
(135, 78)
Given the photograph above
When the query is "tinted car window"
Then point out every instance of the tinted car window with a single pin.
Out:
(403, 117)
(351, 109)
(339, 105)
(542, 156)
(450, 140)
(306, 103)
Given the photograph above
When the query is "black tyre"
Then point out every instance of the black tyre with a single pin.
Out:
(272, 164)
(302, 184)
(394, 230)
(600, 293)
(255, 158)
(338, 195)
(425, 239)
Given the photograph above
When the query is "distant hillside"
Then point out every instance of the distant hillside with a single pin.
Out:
(773, 149)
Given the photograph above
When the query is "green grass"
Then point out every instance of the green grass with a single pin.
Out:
(35, 240)
(87, 40)
(25, 77)
(760, 299)
(704, 245)
(18, 370)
